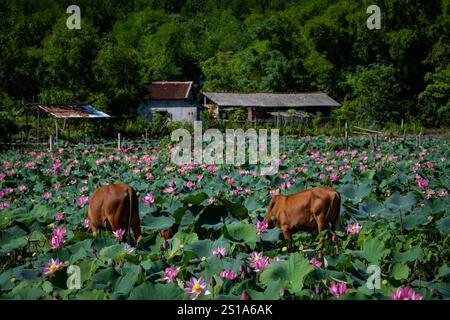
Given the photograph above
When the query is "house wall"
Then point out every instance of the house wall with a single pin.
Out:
(179, 110)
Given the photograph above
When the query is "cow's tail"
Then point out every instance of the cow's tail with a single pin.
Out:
(336, 210)
(269, 210)
(130, 198)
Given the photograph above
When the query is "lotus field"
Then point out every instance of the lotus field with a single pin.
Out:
(395, 212)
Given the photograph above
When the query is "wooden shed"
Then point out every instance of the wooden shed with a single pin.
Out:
(261, 105)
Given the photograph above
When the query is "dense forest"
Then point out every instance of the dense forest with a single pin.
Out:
(399, 71)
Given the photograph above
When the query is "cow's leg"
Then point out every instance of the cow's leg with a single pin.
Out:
(320, 227)
(136, 226)
(287, 236)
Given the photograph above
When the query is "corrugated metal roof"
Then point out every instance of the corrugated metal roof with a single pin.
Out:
(313, 99)
(173, 90)
(73, 111)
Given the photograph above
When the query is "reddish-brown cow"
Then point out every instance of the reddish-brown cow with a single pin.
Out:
(115, 206)
(309, 210)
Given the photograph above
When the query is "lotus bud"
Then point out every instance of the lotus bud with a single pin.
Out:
(281, 291)
(140, 258)
(165, 244)
(245, 295)
(141, 269)
(212, 282)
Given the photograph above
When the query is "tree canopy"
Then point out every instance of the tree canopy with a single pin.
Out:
(399, 71)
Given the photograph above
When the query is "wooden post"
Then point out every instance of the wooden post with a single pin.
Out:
(38, 125)
(146, 135)
(26, 124)
(420, 139)
(376, 140)
(119, 144)
(56, 131)
(417, 141)
(401, 124)
(346, 135)
(278, 119)
(50, 143)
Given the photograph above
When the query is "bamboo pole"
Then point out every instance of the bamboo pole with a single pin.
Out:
(38, 125)
(368, 130)
(346, 135)
(56, 131)
(50, 143)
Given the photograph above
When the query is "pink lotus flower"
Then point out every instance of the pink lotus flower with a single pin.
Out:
(47, 195)
(51, 266)
(228, 274)
(422, 183)
(87, 223)
(257, 261)
(196, 287)
(230, 180)
(83, 200)
(353, 228)
(190, 184)
(220, 251)
(58, 237)
(316, 263)
(168, 190)
(337, 289)
(59, 216)
(322, 176)
(4, 205)
(442, 193)
(334, 177)
(274, 192)
(22, 187)
(148, 199)
(405, 293)
(118, 233)
(170, 274)
(260, 227)
(149, 176)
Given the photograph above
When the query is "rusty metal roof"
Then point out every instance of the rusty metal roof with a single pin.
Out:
(168, 90)
(73, 111)
(313, 99)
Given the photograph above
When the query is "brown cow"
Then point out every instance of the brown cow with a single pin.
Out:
(308, 210)
(115, 206)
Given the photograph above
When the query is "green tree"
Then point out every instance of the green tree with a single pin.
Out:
(376, 92)
(434, 101)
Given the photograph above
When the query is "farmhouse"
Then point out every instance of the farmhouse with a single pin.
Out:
(263, 105)
(175, 99)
